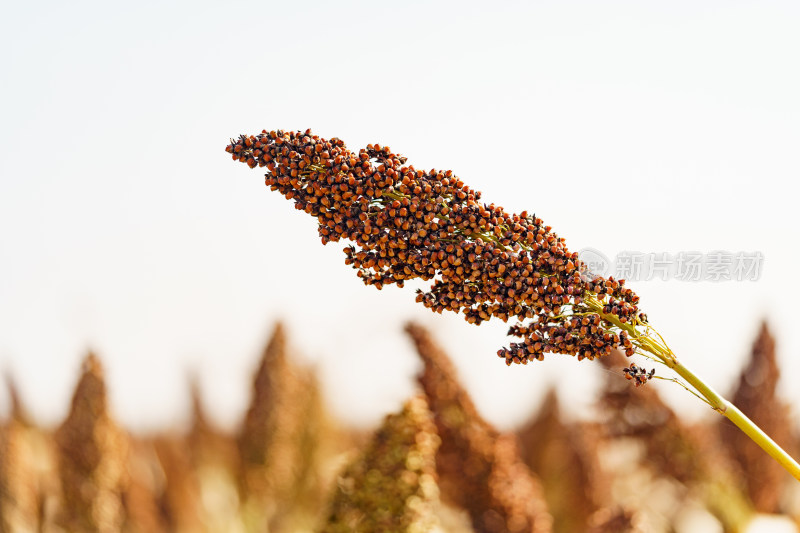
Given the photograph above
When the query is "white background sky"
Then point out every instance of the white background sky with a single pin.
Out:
(125, 227)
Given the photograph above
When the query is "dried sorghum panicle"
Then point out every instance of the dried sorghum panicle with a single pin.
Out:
(412, 224)
(318, 444)
(20, 495)
(756, 395)
(21, 462)
(565, 457)
(279, 442)
(267, 440)
(92, 458)
(392, 485)
(480, 470)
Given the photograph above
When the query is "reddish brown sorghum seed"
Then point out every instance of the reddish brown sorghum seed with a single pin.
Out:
(638, 375)
(480, 469)
(412, 224)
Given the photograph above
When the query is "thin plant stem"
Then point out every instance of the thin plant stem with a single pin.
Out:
(732, 413)
(659, 349)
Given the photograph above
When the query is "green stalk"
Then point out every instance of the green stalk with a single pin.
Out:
(658, 348)
(732, 413)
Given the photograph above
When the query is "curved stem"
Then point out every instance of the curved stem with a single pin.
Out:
(659, 349)
(732, 413)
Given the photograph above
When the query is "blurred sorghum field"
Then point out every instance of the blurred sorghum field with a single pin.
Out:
(435, 465)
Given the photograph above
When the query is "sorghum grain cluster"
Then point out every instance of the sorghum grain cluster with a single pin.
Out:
(413, 224)
(638, 375)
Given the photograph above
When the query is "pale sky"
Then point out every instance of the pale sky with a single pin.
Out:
(657, 127)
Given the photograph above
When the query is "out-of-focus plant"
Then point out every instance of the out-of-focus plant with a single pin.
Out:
(92, 458)
(565, 456)
(480, 469)
(280, 444)
(756, 394)
(392, 485)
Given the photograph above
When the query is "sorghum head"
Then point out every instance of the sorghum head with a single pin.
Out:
(409, 224)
